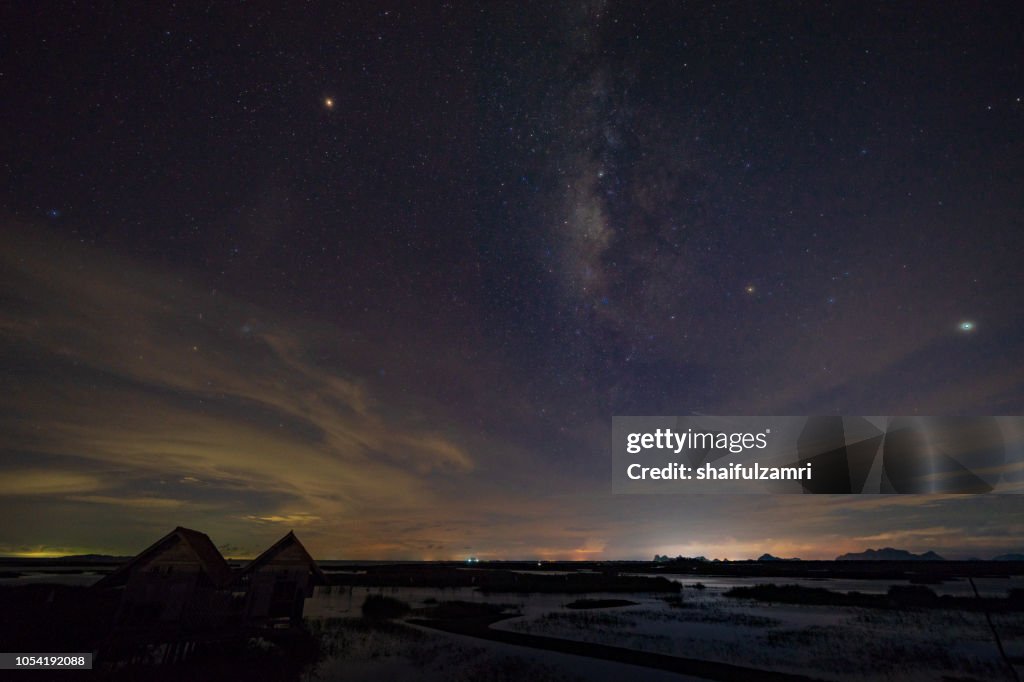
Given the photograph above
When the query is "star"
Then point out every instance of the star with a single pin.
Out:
(329, 102)
(966, 326)
(750, 289)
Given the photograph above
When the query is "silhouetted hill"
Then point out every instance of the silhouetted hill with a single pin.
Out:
(93, 557)
(769, 557)
(664, 558)
(889, 554)
(1009, 557)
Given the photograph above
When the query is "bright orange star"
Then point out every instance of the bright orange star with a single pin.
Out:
(329, 102)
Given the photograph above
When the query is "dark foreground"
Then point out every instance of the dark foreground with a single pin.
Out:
(480, 627)
(769, 630)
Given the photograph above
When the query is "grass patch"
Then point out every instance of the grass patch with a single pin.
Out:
(676, 601)
(457, 609)
(599, 603)
(898, 597)
(379, 607)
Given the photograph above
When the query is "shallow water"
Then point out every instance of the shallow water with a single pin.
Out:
(988, 587)
(838, 643)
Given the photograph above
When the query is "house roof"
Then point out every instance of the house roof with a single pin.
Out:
(289, 540)
(209, 557)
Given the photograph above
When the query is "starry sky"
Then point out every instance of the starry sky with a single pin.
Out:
(382, 273)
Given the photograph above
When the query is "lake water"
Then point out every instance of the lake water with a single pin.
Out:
(988, 587)
(845, 644)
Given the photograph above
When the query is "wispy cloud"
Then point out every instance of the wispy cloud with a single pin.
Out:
(132, 389)
(46, 482)
(288, 519)
(133, 375)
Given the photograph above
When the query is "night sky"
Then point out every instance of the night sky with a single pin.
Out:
(384, 273)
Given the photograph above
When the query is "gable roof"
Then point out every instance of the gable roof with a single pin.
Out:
(289, 540)
(209, 557)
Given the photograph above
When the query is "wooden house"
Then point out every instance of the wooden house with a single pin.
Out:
(277, 583)
(181, 580)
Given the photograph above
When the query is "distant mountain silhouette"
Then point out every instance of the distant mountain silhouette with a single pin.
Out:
(889, 554)
(93, 557)
(664, 558)
(1009, 557)
(769, 557)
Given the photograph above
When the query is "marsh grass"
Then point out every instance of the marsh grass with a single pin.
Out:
(380, 607)
(845, 643)
(357, 649)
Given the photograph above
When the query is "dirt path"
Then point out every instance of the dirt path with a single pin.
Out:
(711, 670)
